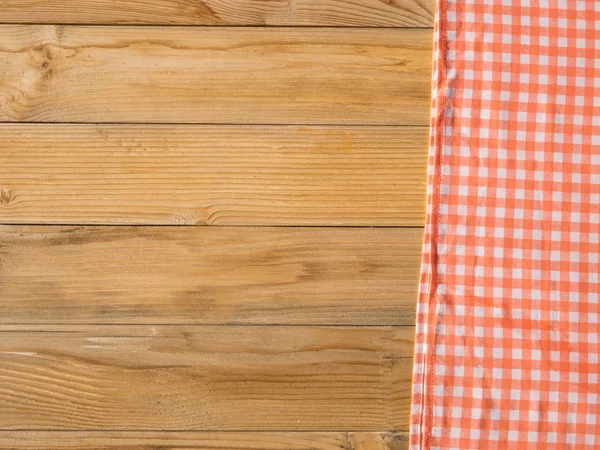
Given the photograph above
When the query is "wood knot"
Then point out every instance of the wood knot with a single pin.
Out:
(396, 442)
(47, 51)
(184, 218)
(44, 58)
(6, 197)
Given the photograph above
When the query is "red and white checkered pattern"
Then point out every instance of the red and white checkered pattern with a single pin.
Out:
(508, 318)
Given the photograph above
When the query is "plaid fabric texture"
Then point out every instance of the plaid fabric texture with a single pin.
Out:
(507, 350)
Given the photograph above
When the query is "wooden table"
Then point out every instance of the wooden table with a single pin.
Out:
(211, 221)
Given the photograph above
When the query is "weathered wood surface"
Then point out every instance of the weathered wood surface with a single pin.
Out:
(216, 337)
(208, 275)
(396, 13)
(205, 378)
(214, 75)
(215, 175)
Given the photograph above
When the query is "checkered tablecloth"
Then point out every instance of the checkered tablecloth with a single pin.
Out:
(507, 325)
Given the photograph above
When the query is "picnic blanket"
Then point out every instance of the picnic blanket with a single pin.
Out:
(506, 352)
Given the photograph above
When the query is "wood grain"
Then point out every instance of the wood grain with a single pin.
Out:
(214, 75)
(90, 440)
(205, 378)
(215, 175)
(396, 13)
(198, 275)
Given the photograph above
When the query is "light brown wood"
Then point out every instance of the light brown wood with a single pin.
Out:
(395, 13)
(253, 332)
(173, 440)
(205, 378)
(216, 175)
(378, 441)
(199, 275)
(214, 75)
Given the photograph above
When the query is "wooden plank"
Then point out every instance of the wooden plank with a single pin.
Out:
(205, 378)
(216, 175)
(397, 13)
(199, 275)
(172, 440)
(214, 75)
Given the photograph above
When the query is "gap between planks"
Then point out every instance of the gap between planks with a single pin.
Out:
(267, 440)
(140, 25)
